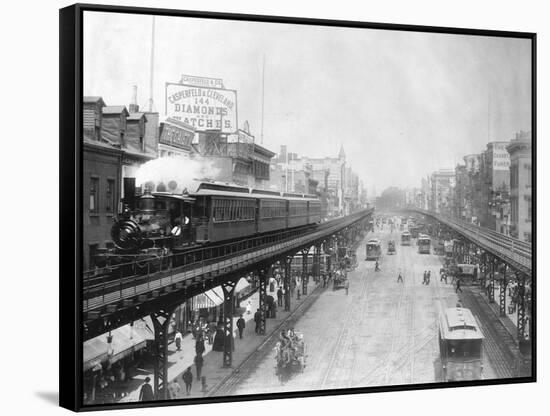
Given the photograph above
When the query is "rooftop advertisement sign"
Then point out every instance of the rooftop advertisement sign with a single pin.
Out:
(204, 108)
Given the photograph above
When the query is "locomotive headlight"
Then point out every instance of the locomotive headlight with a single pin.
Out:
(176, 231)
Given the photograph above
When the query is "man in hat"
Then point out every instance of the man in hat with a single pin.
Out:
(240, 326)
(188, 380)
(257, 320)
(146, 392)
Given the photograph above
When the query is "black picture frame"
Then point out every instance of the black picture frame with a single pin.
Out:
(70, 260)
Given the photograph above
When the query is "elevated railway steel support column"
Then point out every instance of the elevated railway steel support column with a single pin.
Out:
(317, 261)
(502, 292)
(262, 274)
(305, 278)
(286, 282)
(483, 269)
(161, 321)
(521, 307)
(228, 289)
(492, 266)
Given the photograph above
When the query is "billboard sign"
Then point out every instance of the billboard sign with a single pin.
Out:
(203, 108)
(501, 157)
(201, 81)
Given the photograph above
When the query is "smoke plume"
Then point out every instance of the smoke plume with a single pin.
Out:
(187, 173)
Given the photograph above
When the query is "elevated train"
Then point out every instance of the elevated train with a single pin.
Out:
(157, 222)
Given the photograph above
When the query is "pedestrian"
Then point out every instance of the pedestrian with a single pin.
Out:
(429, 275)
(199, 345)
(346, 286)
(279, 297)
(248, 308)
(188, 380)
(257, 320)
(177, 339)
(146, 392)
(199, 361)
(424, 278)
(458, 286)
(441, 274)
(174, 390)
(240, 326)
(399, 278)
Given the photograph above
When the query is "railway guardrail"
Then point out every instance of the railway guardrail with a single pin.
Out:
(102, 291)
(516, 253)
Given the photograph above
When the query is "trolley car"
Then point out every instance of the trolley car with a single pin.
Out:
(424, 243)
(374, 249)
(406, 238)
(460, 345)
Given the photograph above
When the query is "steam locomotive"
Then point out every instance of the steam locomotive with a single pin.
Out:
(158, 222)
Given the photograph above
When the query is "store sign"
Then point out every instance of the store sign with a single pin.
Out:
(175, 136)
(203, 108)
(501, 157)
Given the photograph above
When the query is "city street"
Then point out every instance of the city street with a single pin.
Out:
(382, 333)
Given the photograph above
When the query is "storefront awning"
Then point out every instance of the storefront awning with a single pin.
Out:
(125, 340)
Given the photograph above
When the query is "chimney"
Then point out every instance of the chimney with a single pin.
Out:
(134, 107)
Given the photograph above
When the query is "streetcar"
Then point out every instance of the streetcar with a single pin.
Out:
(391, 247)
(424, 243)
(460, 345)
(374, 249)
(414, 230)
(405, 238)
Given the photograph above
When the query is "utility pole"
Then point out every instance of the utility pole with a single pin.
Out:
(151, 67)
(263, 92)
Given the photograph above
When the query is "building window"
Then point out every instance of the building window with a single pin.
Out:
(527, 237)
(529, 209)
(94, 189)
(110, 196)
(528, 179)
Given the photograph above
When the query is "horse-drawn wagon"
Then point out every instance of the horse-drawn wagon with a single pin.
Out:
(339, 280)
(290, 353)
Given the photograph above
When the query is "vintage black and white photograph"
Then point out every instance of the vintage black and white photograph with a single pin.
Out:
(275, 207)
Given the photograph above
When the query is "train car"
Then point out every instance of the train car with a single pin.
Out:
(314, 209)
(460, 345)
(424, 243)
(374, 249)
(297, 210)
(224, 212)
(272, 211)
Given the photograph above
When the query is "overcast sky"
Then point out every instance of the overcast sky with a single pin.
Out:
(403, 104)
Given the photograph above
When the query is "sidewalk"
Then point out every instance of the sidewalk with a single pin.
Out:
(179, 361)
